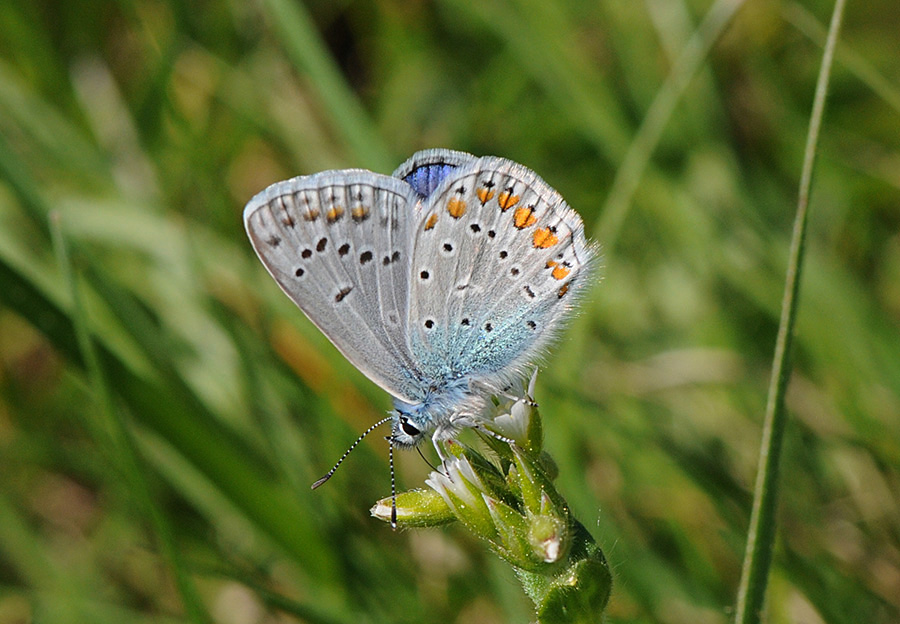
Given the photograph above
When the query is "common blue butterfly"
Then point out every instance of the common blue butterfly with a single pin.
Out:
(441, 282)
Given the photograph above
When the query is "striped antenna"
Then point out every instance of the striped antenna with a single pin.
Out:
(390, 440)
(350, 450)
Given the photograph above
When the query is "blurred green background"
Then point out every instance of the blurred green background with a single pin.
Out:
(145, 125)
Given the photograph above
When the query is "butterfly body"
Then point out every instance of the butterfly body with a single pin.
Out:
(441, 283)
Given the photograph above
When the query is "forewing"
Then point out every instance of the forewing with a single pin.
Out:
(498, 260)
(339, 245)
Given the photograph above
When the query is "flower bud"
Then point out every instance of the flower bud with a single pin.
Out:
(416, 508)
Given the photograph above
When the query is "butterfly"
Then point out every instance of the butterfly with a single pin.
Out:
(441, 283)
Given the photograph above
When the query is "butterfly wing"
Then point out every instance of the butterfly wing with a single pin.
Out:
(425, 170)
(339, 245)
(497, 262)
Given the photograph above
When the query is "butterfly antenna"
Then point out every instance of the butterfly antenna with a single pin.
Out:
(350, 450)
(495, 435)
(393, 483)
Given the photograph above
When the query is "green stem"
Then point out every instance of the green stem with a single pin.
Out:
(761, 534)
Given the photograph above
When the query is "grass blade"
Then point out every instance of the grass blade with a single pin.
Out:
(122, 438)
(629, 174)
(761, 534)
(308, 53)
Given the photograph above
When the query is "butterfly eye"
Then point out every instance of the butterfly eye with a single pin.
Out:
(408, 428)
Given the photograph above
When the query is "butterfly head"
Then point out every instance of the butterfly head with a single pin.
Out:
(406, 431)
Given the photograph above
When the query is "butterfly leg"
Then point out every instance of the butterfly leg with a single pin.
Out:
(436, 441)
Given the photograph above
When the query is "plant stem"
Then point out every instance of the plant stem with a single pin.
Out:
(761, 534)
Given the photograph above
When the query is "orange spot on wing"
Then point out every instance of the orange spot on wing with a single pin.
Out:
(430, 222)
(360, 213)
(484, 194)
(544, 238)
(507, 200)
(311, 215)
(524, 217)
(334, 214)
(560, 272)
(456, 207)
(563, 291)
